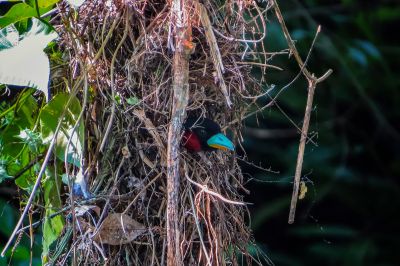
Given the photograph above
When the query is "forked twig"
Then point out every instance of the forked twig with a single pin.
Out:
(312, 83)
(215, 194)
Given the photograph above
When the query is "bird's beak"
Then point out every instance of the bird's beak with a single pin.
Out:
(220, 141)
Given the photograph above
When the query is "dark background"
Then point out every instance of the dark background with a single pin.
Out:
(349, 214)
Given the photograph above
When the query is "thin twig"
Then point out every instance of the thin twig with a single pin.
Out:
(312, 83)
(215, 194)
(214, 51)
(304, 131)
(140, 192)
(111, 120)
(259, 64)
(199, 231)
(28, 166)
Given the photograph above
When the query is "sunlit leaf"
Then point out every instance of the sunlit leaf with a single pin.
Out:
(23, 62)
(41, 3)
(49, 119)
(20, 12)
(31, 139)
(3, 172)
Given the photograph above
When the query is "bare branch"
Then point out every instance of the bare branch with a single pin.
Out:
(312, 83)
(182, 31)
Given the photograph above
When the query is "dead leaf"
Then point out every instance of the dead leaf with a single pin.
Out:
(303, 190)
(118, 229)
(125, 152)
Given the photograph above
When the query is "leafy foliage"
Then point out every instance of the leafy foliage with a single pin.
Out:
(22, 141)
(21, 255)
(25, 10)
(19, 143)
(27, 128)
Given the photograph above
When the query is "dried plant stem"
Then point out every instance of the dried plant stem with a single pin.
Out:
(214, 51)
(300, 154)
(219, 196)
(112, 116)
(289, 40)
(141, 51)
(180, 87)
(312, 83)
(196, 219)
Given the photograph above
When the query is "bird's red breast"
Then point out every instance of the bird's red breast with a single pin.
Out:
(191, 141)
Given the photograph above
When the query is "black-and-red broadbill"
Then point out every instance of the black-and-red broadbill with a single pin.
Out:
(203, 134)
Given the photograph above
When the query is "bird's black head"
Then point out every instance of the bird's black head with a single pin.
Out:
(208, 133)
(203, 127)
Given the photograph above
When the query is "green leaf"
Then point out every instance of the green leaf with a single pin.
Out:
(132, 100)
(19, 12)
(41, 3)
(31, 139)
(18, 142)
(23, 61)
(117, 99)
(52, 227)
(28, 178)
(22, 118)
(49, 118)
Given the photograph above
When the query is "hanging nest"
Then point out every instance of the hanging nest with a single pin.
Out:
(120, 66)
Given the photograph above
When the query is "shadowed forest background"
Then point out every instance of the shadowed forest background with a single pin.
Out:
(348, 215)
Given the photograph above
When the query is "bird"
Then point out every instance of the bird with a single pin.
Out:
(203, 134)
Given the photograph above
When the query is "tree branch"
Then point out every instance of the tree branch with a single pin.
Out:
(182, 36)
(312, 83)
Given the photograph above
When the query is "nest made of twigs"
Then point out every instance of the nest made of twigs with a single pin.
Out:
(122, 50)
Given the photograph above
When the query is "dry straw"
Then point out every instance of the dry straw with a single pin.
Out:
(123, 53)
